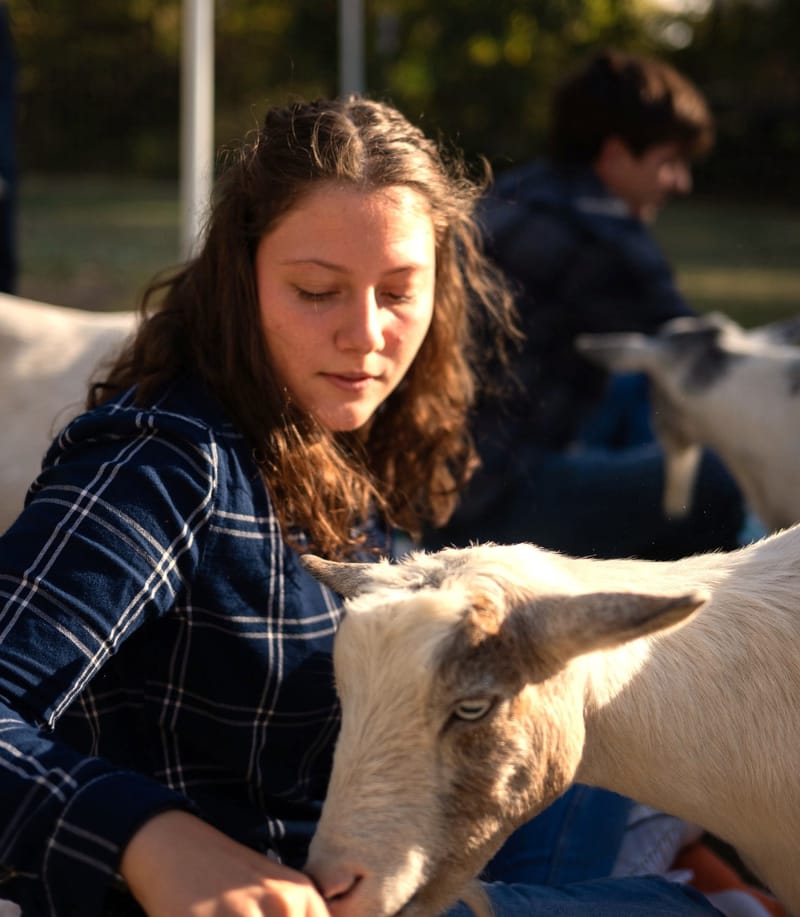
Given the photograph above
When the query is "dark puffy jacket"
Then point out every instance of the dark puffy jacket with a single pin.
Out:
(580, 263)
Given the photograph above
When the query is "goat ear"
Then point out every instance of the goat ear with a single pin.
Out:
(570, 626)
(348, 579)
(622, 353)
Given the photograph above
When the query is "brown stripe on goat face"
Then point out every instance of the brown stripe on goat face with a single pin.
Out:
(509, 764)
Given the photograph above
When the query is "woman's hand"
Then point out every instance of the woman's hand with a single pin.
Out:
(176, 865)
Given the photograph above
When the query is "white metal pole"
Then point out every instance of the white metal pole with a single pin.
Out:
(351, 47)
(197, 118)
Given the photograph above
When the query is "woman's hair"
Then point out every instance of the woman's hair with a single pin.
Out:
(642, 100)
(416, 453)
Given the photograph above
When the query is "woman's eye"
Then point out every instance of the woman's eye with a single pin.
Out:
(385, 297)
(314, 295)
(472, 709)
(398, 298)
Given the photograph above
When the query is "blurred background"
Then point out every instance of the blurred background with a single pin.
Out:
(98, 120)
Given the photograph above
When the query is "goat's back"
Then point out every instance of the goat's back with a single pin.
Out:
(47, 355)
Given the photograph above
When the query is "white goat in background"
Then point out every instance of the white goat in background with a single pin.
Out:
(715, 384)
(477, 684)
(47, 354)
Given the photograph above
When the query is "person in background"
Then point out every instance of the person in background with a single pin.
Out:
(8, 154)
(166, 687)
(569, 460)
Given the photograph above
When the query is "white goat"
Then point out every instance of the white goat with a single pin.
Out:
(477, 684)
(715, 384)
(47, 354)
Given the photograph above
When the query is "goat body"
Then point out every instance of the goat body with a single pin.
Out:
(477, 684)
(47, 354)
(716, 385)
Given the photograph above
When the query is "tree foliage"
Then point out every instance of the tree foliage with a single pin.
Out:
(100, 81)
(98, 84)
(481, 72)
(744, 55)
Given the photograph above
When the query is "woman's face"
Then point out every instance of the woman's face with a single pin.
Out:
(346, 289)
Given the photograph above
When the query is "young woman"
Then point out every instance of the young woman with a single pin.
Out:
(166, 698)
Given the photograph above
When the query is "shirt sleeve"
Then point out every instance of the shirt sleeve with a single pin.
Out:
(111, 532)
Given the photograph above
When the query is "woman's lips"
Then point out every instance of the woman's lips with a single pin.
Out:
(350, 382)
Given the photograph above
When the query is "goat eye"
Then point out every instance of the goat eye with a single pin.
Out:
(473, 709)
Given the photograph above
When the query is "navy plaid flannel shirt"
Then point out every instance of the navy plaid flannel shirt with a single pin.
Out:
(160, 646)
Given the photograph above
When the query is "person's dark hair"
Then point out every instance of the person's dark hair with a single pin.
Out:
(641, 100)
(416, 453)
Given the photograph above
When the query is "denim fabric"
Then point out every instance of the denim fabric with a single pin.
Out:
(575, 839)
(603, 497)
(648, 896)
(559, 863)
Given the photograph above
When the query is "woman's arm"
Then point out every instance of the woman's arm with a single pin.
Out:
(113, 532)
(178, 864)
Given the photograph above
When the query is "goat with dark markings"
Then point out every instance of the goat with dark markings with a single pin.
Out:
(732, 390)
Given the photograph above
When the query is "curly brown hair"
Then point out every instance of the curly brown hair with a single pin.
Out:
(416, 453)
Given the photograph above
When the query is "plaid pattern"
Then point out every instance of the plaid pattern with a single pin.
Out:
(161, 647)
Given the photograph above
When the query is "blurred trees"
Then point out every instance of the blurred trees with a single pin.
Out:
(98, 84)
(480, 72)
(745, 57)
(99, 87)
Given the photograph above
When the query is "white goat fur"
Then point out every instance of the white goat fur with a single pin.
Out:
(47, 354)
(734, 391)
(477, 684)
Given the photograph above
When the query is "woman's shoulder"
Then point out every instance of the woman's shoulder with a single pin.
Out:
(175, 452)
(184, 407)
(182, 425)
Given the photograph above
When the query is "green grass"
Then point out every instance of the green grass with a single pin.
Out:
(95, 243)
(741, 259)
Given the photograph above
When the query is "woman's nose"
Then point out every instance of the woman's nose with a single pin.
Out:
(362, 324)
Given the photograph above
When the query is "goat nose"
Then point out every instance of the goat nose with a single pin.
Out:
(347, 903)
(339, 887)
(344, 885)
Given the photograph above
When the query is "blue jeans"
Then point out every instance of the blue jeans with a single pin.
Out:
(575, 839)
(644, 896)
(602, 496)
(558, 864)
